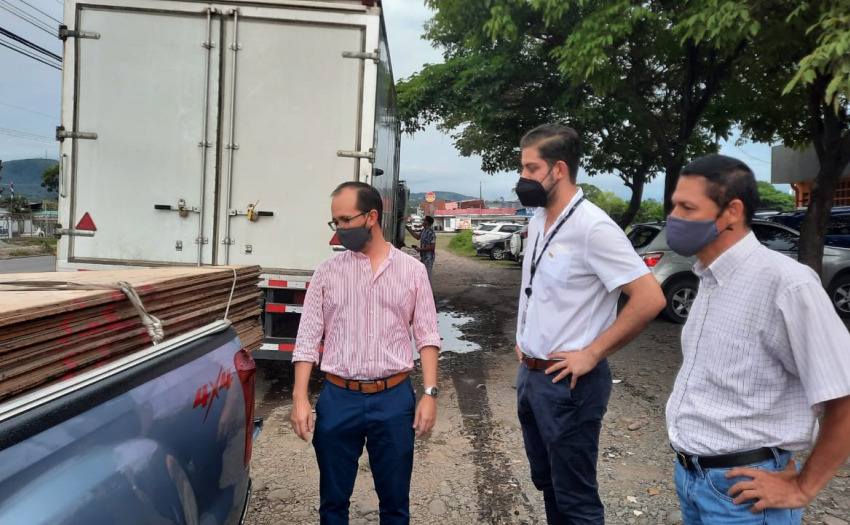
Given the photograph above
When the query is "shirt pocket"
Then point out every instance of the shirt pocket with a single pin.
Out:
(555, 267)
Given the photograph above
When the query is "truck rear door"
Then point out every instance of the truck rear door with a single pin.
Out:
(144, 88)
(292, 102)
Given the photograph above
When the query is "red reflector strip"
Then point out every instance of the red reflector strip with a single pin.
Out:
(285, 347)
(274, 283)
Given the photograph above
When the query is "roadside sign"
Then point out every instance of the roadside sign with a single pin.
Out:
(430, 196)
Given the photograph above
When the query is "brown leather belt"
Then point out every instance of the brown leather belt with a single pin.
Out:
(369, 387)
(532, 363)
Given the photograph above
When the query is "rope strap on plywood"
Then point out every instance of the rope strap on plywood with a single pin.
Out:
(151, 323)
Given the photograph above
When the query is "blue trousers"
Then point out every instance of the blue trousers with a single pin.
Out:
(561, 429)
(705, 500)
(345, 420)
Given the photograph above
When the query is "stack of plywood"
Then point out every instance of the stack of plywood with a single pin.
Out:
(48, 333)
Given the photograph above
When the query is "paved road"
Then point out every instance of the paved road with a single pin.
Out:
(29, 265)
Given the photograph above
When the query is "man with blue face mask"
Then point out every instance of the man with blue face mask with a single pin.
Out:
(764, 354)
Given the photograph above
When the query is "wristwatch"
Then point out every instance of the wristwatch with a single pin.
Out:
(431, 391)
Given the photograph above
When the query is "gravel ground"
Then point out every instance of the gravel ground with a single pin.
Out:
(471, 469)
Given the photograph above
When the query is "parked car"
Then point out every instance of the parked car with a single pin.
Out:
(680, 285)
(516, 244)
(496, 249)
(491, 235)
(837, 229)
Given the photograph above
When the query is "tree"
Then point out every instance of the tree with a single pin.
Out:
(770, 197)
(650, 211)
(50, 178)
(638, 53)
(489, 92)
(793, 86)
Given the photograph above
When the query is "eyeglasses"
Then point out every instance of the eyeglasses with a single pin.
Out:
(344, 221)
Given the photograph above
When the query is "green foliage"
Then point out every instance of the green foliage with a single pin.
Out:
(461, 244)
(50, 178)
(831, 54)
(650, 211)
(770, 197)
(18, 204)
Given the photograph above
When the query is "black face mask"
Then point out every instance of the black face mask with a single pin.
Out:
(531, 193)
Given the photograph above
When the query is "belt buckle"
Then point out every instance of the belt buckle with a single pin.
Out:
(683, 459)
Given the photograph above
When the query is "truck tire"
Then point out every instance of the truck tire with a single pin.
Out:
(680, 297)
(839, 294)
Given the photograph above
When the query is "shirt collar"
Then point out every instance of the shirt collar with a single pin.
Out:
(541, 211)
(724, 266)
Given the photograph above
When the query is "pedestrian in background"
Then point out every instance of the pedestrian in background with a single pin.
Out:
(427, 245)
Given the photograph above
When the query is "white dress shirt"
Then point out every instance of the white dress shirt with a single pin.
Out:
(576, 286)
(763, 347)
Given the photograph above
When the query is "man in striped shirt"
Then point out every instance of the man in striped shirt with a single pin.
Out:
(364, 302)
(764, 353)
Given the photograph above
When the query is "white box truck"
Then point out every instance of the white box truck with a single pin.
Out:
(212, 133)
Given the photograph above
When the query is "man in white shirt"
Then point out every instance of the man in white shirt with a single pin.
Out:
(579, 262)
(764, 352)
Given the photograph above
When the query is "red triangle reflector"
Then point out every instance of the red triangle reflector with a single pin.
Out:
(335, 241)
(86, 223)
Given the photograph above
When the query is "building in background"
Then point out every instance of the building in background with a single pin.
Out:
(799, 169)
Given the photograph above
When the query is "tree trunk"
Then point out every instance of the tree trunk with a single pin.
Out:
(832, 145)
(671, 179)
(634, 204)
(813, 230)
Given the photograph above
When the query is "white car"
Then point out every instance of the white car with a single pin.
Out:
(492, 231)
(516, 244)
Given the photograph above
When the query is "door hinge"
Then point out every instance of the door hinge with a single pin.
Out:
(62, 134)
(59, 231)
(202, 240)
(65, 33)
(363, 55)
(370, 155)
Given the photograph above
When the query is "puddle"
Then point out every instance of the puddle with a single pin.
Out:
(451, 334)
(483, 285)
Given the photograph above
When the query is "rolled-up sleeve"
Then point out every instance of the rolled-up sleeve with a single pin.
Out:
(819, 341)
(311, 326)
(425, 329)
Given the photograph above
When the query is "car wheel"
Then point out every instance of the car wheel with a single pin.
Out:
(680, 299)
(839, 293)
(497, 253)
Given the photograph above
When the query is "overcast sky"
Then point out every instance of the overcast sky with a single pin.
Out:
(429, 161)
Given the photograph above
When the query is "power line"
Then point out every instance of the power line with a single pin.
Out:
(26, 17)
(25, 135)
(39, 10)
(30, 55)
(29, 111)
(29, 44)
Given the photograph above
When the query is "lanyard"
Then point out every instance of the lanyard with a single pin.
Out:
(535, 261)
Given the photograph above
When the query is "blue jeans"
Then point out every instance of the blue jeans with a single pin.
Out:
(345, 420)
(561, 429)
(429, 265)
(705, 500)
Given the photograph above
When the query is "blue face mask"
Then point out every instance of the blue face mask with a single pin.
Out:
(687, 238)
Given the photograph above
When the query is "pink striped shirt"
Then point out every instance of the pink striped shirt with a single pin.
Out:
(366, 319)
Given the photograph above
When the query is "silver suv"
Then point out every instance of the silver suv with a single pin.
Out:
(676, 277)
